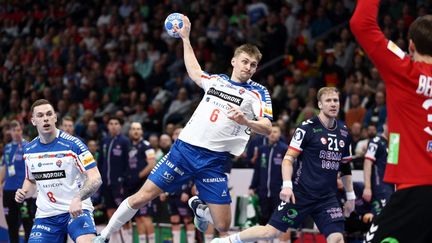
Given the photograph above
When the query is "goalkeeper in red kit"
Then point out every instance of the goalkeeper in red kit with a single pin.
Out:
(408, 80)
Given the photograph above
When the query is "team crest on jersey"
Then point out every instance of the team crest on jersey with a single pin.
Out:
(341, 143)
(59, 163)
(323, 140)
(299, 134)
(241, 91)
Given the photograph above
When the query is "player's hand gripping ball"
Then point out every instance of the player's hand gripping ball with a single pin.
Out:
(173, 20)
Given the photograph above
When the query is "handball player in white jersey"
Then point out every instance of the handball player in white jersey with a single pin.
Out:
(220, 127)
(65, 174)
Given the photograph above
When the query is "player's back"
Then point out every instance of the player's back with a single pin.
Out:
(58, 169)
(409, 100)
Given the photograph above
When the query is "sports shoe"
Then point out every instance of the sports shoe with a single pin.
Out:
(200, 223)
(99, 239)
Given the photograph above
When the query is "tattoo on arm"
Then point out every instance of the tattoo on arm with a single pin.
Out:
(89, 188)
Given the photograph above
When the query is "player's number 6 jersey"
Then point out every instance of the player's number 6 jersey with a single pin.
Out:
(58, 169)
(210, 127)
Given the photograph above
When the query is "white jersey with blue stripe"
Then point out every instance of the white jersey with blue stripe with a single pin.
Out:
(209, 126)
(58, 169)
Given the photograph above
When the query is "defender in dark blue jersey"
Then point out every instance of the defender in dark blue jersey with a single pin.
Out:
(319, 149)
(141, 162)
(376, 190)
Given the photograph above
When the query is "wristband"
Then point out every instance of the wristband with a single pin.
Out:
(350, 195)
(286, 184)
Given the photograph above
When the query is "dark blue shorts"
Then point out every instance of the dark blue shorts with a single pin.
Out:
(177, 207)
(54, 229)
(205, 167)
(326, 213)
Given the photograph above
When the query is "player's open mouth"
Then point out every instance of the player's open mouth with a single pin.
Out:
(46, 125)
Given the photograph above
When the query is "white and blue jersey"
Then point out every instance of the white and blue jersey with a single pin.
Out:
(58, 169)
(203, 149)
(322, 152)
(210, 128)
(15, 167)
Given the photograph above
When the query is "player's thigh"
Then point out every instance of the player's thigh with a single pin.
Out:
(170, 173)
(48, 230)
(212, 185)
(81, 226)
(288, 215)
(328, 216)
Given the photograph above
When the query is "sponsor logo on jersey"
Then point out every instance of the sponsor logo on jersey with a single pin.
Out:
(60, 155)
(87, 158)
(292, 213)
(323, 140)
(49, 175)
(53, 185)
(59, 163)
(225, 96)
(241, 91)
(315, 130)
(207, 99)
(214, 180)
(341, 143)
(344, 133)
(335, 213)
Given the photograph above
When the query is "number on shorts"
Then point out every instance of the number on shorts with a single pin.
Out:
(51, 197)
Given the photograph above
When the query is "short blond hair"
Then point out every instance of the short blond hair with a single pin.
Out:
(326, 90)
(249, 49)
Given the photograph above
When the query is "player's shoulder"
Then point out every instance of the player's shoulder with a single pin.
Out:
(215, 77)
(310, 123)
(343, 129)
(256, 86)
(145, 144)
(29, 146)
(68, 140)
(376, 139)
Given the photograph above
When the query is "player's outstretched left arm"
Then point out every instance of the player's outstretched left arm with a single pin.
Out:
(91, 185)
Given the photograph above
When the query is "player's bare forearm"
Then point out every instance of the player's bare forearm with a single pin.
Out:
(287, 164)
(367, 173)
(262, 126)
(91, 184)
(347, 183)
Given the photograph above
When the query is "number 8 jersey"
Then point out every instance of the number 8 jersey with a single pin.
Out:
(58, 169)
(209, 126)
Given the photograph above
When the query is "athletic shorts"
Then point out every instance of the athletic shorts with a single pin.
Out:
(380, 198)
(326, 213)
(54, 229)
(405, 218)
(185, 162)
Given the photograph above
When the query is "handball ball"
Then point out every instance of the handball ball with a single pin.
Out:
(174, 19)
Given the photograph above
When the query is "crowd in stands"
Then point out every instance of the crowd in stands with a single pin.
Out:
(94, 59)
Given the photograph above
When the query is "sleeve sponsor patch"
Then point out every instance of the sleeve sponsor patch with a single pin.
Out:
(395, 49)
(297, 139)
(86, 158)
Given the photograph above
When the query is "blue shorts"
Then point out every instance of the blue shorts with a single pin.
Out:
(54, 229)
(326, 213)
(206, 167)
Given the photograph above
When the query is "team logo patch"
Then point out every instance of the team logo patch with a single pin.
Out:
(341, 143)
(323, 140)
(241, 91)
(59, 163)
(299, 134)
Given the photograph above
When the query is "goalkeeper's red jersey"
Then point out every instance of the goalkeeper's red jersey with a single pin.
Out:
(409, 100)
